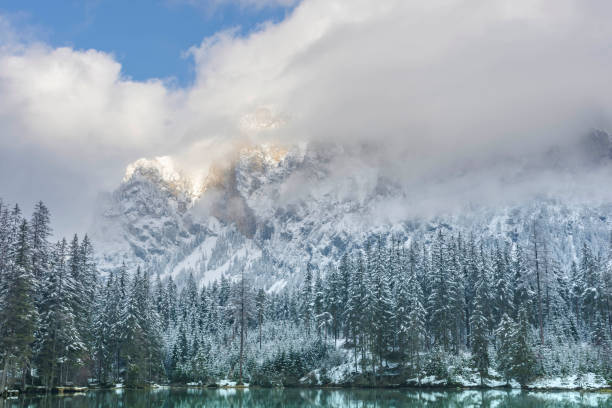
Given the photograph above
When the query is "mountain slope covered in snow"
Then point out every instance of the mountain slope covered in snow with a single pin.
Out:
(271, 210)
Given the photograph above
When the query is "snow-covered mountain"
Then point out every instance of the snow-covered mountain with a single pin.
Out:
(270, 210)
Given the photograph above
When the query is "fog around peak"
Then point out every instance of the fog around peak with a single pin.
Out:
(421, 90)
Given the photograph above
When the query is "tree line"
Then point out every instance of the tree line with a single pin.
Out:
(417, 308)
(495, 304)
(46, 297)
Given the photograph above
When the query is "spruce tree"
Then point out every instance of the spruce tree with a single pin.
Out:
(523, 360)
(354, 315)
(18, 315)
(401, 314)
(417, 337)
(506, 334)
(260, 304)
(59, 334)
(382, 310)
(479, 327)
(438, 302)
(306, 299)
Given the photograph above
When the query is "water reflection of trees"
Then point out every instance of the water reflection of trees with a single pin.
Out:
(298, 398)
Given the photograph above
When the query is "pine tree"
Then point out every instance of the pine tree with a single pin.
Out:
(416, 322)
(503, 296)
(344, 272)
(523, 361)
(115, 313)
(401, 313)
(589, 295)
(18, 315)
(318, 304)
(260, 304)
(470, 271)
(599, 336)
(456, 294)
(506, 333)
(171, 301)
(40, 232)
(354, 308)
(576, 290)
(59, 335)
(80, 295)
(242, 305)
(479, 326)
(100, 329)
(306, 301)
(89, 279)
(382, 309)
(133, 336)
(438, 302)
(537, 255)
(521, 292)
(333, 300)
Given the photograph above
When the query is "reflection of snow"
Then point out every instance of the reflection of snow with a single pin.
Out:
(226, 392)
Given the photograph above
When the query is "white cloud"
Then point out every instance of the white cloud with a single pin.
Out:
(433, 80)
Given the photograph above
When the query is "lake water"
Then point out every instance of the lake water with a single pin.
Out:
(289, 398)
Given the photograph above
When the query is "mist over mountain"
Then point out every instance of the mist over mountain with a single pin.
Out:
(272, 209)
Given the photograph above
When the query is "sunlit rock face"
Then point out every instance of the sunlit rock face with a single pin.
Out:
(270, 210)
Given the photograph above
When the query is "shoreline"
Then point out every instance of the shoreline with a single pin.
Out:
(68, 391)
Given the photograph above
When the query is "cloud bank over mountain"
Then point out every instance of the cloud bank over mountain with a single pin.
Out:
(425, 87)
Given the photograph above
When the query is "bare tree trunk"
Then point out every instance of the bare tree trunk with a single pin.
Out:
(355, 348)
(537, 268)
(24, 375)
(4, 374)
(242, 311)
(260, 332)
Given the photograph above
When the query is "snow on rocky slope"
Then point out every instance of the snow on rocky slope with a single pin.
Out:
(271, 210)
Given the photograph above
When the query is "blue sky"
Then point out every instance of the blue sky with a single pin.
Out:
(148, 37)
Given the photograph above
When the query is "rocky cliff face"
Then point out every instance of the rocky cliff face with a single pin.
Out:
(271, 210)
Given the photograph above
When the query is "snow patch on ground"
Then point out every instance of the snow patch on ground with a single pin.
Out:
(229, 384)
(344, 374)
(588, 381)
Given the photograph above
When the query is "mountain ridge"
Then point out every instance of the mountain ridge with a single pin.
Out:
(273, 210)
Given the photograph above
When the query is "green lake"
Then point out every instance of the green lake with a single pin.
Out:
(291, 397)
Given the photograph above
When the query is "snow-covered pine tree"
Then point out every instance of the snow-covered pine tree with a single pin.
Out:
(589, 295)
(306, 299)
(40, 231)
(333, 299)
(89, 279)
(470, 274)
(59, 338)
(100, 330)
(456, 295)
(505, 333)
(502, 291)
(344, 276)
(382, 310)
(260, 305)
(438, 304)
(402, 314)
(353, 315)
(80, 295)
(133, 337)
(523, 360)
(242, 303)
(417, 335)
(18, 315)
(479, 323)
(319, 306)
